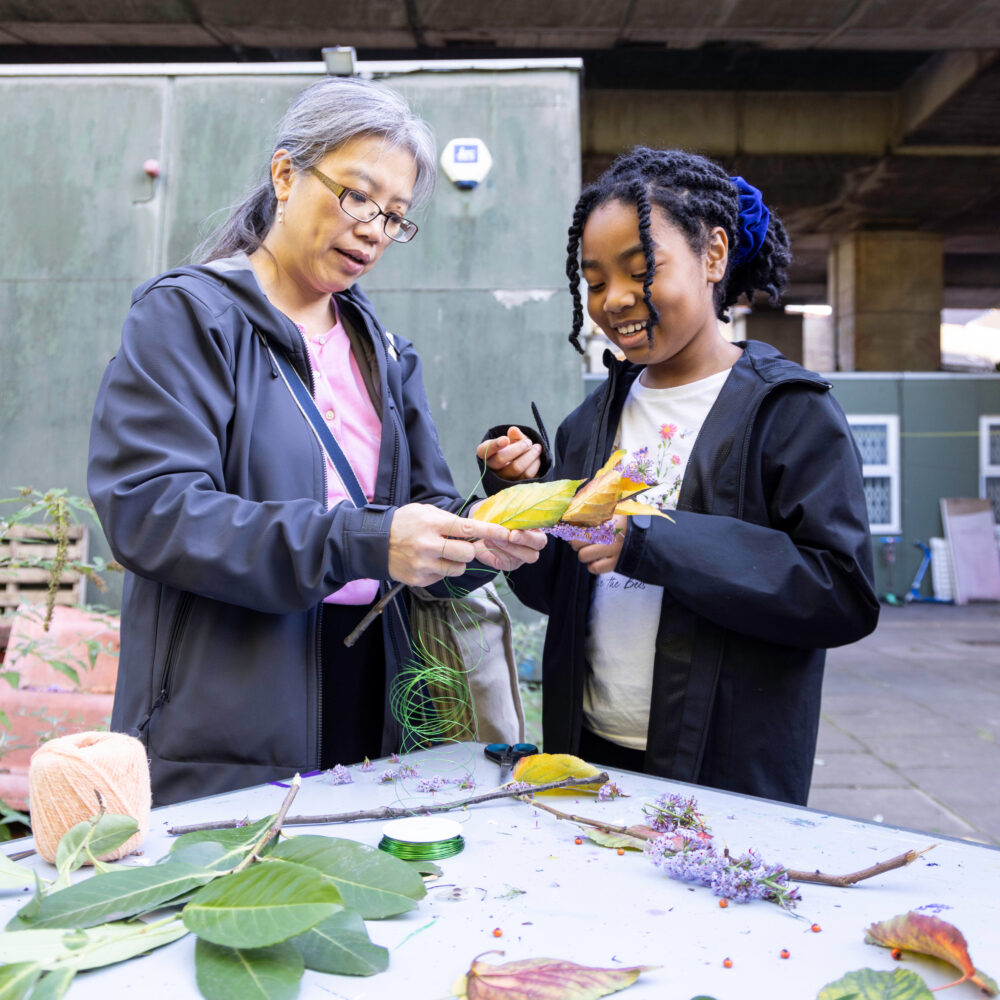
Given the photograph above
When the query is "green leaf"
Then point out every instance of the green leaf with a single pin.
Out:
(57, 949)
(17, 980)
(53, 985)
(615, 840)
(13, 875)
(245, 974)
(261, 906)
(115, 896)
(372, 882)
(237, 841)
(425, 868)
(206, 855)
(340, 945)
(867, 984)
(98, 835)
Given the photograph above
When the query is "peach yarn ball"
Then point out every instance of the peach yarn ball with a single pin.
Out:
(63, 775)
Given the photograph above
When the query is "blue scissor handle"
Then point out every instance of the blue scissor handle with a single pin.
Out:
(505, 754)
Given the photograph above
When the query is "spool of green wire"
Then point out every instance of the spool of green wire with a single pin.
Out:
(419, 838)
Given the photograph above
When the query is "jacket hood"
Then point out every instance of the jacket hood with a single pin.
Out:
(237, 276)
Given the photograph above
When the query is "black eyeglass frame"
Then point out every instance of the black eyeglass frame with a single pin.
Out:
(342, 191)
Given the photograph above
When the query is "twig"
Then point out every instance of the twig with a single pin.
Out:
(396, 812)
(817, 877)
(275, 828)
(373, 613)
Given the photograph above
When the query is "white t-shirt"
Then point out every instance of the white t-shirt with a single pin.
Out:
(625, 613)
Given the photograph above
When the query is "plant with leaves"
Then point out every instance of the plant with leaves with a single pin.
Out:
(262, 911)
(52, 513)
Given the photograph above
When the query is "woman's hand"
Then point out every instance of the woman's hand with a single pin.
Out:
(427, 544)
(602, 558)
(511, 456)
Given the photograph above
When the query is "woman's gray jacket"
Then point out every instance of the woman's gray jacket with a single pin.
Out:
(211, 489)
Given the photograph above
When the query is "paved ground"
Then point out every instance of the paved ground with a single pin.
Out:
(911, 723)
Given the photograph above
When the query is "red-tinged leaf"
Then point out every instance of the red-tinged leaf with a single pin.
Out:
(543, 979)
(932, 936)
(867, 984)
(605, 839)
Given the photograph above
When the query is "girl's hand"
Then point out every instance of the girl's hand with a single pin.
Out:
(602, 558)
(511, 456)
(426, 544)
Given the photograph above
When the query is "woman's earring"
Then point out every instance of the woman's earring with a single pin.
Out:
(281, 213)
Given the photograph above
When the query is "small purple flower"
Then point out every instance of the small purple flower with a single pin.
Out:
(467, 781)
(609, 790)
(394, 758)
(432, 784)
(601, 534)
(367, 765)
(339, 775)
(389, 774)
(639, 468)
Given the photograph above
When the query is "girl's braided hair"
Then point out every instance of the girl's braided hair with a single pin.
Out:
(696, 194)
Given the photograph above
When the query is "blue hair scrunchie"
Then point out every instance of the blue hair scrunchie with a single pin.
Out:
(754, 219)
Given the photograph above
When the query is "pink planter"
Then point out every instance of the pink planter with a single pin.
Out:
(46, 702)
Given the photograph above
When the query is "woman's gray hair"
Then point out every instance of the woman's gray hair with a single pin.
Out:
(320, 119)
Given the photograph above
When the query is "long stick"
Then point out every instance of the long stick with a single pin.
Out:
(397, 812)
(817, 877)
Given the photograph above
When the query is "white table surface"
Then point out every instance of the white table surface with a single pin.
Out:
(522, 872)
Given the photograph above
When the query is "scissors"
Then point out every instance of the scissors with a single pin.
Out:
(506, 755)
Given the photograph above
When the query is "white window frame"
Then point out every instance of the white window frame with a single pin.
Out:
(890, 470)
(986, 469)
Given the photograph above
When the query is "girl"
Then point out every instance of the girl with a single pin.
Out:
(693, 648)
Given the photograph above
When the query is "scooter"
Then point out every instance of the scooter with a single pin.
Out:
(913, 595)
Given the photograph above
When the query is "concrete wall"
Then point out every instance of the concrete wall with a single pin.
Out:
(481, 291)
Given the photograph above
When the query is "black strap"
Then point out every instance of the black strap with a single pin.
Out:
(303, 399)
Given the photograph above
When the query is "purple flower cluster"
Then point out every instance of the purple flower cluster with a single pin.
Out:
(639, 468)
(602, 534)
(432, 784)
(609, 790)
(339, 775)
(739, 879)
(394, 773)
(671, 813)
(367, 765)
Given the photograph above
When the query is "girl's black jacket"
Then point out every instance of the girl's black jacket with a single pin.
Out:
(211, 488)
(767, 563)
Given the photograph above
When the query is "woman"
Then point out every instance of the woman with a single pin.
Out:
(248, 564)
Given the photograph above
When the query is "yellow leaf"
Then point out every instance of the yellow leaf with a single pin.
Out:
(596, 501)
(630, 507)
(544, 768)
(528, 505)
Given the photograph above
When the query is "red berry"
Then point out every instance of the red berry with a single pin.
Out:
(621, 850)
(497, 932)
(785, 953)
(896, 954)
(815, 928)
(578, 840)
(723, 903)
(727, 963)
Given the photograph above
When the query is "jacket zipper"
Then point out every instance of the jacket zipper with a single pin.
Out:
(180, 620)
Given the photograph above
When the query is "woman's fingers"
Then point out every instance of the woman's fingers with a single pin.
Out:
(511, 456)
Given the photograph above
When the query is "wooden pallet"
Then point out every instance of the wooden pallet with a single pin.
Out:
(30, 585)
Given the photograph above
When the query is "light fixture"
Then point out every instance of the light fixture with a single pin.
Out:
(340, 60)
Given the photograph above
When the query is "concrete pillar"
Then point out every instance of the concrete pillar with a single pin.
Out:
(777, 328)
(887, 292)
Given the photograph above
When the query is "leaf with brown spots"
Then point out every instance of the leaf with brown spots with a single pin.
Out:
(596, 501)
(542, 979)
(932, 936)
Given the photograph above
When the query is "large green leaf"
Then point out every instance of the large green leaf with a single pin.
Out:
(372, 882)
(867, 984)
(13, 875)
(17, 980)
(93, 837)
(237, 842)
(341, 945)
(271, 973)
(115, 896)
(53, 985)
(60, 949)
(261, 906)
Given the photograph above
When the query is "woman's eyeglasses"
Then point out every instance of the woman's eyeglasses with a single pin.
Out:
(359, 206)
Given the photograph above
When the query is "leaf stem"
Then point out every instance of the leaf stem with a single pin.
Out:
(397, 812)
(275, 828)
